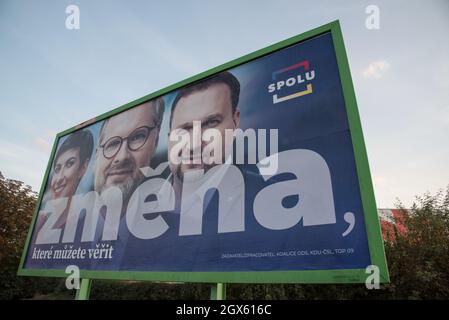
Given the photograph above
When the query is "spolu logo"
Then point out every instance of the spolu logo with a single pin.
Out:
(300, 81)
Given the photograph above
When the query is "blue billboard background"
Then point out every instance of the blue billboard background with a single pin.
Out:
(314, 121)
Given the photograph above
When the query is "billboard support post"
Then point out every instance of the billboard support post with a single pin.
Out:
(218, 291)
(83, 292)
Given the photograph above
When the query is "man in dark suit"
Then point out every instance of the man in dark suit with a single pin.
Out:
(212, 196)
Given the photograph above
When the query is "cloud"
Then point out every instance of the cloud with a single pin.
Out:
(50, 133)
(43, 145)
(44, 141)
(376, 69)
(379, 180)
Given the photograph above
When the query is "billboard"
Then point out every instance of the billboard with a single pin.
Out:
(254, 171)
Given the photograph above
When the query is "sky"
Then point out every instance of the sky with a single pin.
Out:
(52, 78)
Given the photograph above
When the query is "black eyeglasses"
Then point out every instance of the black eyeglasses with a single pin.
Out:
(135, 141)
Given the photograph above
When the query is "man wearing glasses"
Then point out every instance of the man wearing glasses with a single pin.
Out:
(127, 143)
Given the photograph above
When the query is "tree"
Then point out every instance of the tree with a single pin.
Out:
(419, 259)
(17, 202)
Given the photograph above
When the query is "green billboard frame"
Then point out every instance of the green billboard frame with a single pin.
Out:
(372, 224)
